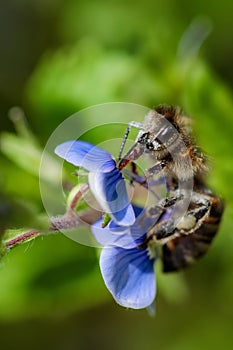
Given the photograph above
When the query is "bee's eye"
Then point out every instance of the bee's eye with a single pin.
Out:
(144, 138)
(150, 146)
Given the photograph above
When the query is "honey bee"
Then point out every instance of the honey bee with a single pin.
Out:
(165, 135)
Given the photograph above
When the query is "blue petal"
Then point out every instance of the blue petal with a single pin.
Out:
(129, 276)
(110, 191)
(120, 238)
(86, 155)
(139, 229)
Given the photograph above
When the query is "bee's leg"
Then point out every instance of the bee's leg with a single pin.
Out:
(163, 230)
(156, 169)
(143, 180)
(134, 175)
(160, 232)
(135, 178)
(166, 226)
(198, 208)
(159, 209)
(134, 170)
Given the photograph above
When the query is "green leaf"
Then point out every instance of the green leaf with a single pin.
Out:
(106, 220)
(27, 155)
(21, 151)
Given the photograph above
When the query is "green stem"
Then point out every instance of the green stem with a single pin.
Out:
(63, 222)
(76, 198)
(24, 237)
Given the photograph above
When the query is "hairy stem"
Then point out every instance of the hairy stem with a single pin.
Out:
(24, 237)
(78, 195)
(63, 222)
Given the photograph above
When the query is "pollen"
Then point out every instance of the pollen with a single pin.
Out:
(186, 222)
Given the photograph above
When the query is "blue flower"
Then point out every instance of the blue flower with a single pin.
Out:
(127, 270)
(105, 180)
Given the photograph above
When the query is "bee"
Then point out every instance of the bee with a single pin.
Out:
(166, 136)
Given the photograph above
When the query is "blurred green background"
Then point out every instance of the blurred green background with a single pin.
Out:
(58, 57)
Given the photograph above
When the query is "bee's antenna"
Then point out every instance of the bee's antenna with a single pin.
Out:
(124, 141)
(134, 124)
